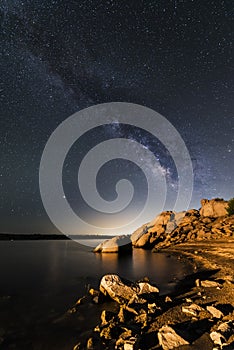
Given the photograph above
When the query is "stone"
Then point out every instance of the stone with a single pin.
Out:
(142, 318)
(217, 338)
(168, 299)
(119, 244)
(147, 234)
(146, 288)
(94, 292)
(125, 292)
(169, 339)
(131, 343)
(192, 309)
(213, 208)
(106, 317)
(214, 312)
(209, 284)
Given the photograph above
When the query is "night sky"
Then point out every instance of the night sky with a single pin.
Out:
(58, 57)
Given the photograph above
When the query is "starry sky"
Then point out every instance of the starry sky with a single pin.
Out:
(58, 57)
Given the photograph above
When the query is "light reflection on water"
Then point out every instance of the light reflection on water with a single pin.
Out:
(54, 266)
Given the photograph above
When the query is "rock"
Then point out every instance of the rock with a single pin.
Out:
(90, 345)
(142, 318)
(147, 234)
(125, 292)
(119, 244)
(174, 221)
(152, 308)
(94, 292)
(168, 299)
(169, 339)
(136, 235)
(146, 288)
(106, 317)
(131, 343)
(217, 338)
(122, 314)
(213, 208)
(214, 312)
(192, 309)
(209, 284)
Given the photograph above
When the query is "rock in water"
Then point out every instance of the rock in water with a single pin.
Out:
(117, 244)
(169, 339)
(125, 292)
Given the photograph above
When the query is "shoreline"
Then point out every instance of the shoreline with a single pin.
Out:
(213, 264)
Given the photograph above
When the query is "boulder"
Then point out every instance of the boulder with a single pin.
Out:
(125, 292)
(169, 339)
(174, 221)
(213, 208)
(147, 234)
(118, 244)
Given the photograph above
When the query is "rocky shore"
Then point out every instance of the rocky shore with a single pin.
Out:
(199, 314)
(211, 222)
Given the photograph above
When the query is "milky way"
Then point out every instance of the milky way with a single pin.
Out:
(58, 57)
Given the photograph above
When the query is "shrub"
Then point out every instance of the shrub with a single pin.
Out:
(230, 207)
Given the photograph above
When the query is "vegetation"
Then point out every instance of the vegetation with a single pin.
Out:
(230, 207)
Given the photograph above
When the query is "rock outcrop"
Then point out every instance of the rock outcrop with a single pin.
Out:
(119, 244)
(147, 235)
(169, 228)
(194, 227)
(213, 208)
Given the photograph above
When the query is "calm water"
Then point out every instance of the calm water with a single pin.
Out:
(44, 278)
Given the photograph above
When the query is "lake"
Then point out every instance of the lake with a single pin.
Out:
(40, 280)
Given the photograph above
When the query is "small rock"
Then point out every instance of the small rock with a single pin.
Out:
(192, 309)
(226, 328)
(209, 284)
(94, 292)
(168, 299)
(217, 338)
(90, 344)
(214, 312)
(152, 308)
(142, 318)
(106, 317)
(198, 283)
(96, 300)
(188, 300)
(131, 343)
(169, 339)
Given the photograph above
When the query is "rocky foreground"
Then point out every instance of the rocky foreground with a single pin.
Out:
(199, 314)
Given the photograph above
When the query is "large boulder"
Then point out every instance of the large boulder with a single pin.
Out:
(213, 208)
(148, 234)
(116, 244)
(126, 292)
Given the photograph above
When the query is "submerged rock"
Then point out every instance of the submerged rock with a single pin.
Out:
(117, 244)
(169, 339)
